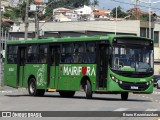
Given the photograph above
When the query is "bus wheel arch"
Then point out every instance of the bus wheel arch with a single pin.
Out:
(32, 87)
(87, 86)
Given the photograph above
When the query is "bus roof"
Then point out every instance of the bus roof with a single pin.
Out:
(108, 37)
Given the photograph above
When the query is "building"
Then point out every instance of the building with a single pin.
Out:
(59, 15)
(79, 14)
(98, 13)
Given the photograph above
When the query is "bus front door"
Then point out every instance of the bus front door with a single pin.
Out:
(21, 66)
(102, 66)
(53, 62)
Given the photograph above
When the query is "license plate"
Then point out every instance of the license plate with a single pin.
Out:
(134, 87)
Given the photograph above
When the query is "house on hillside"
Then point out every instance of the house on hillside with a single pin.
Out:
(79, 14)
(98, 13)
(59, 14)
(84, 13)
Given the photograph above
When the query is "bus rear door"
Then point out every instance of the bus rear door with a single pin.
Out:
(21, 66)
(53, 69)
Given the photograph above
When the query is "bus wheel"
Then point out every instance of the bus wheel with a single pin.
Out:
(32, 88)
(67, 94)
(124, 95)
(88, 90)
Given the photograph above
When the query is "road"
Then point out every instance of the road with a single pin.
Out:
(19, 100)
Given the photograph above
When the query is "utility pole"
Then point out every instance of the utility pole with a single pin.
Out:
(116, 22)
(149, 12)
(37, 22)
(26, 21)
(137, 12)
(0, 48)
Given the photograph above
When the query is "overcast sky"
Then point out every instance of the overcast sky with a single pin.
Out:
(126, 5)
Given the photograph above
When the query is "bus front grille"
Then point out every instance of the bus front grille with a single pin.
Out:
(134, 86)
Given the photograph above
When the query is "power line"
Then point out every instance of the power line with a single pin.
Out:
(134, 4)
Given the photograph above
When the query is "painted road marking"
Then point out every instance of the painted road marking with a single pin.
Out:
(121, 109)
(151, 110)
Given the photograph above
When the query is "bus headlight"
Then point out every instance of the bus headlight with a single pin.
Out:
(152, 80)
(149, 82)
(115, 79)
(120, 82)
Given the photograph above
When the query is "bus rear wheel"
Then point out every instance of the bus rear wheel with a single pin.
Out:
(67, 94)
(32, 88)
(124, 95)
(88, 90)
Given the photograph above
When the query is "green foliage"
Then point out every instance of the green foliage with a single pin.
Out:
(145, 17)
(94, 3)
(11, 13)
(120, 13)
(5, 25)
(68, 3)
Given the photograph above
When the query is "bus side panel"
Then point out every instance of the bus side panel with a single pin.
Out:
(10, 76)
(39, 71)
(63, 83)
(72, 74)
(56, 77)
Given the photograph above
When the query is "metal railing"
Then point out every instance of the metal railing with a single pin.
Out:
(4, 36)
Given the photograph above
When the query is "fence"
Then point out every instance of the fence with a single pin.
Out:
(4, 37)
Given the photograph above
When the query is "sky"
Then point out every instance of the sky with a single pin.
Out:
(128, 4)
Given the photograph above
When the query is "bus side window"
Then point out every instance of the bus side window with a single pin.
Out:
(12, 54)
(43, 53)
(78, 53)
(66, 53)
(32, 54)
(90, 56)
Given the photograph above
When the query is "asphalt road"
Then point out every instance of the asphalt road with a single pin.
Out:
(19, 100)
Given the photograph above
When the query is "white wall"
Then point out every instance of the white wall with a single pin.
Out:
(108, 26)
(84, 10)
(157, 52)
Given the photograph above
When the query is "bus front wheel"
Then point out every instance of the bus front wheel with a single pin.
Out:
(124, 95)
(88, 90)
(32, 88)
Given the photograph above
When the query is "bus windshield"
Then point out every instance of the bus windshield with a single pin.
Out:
(129, 58)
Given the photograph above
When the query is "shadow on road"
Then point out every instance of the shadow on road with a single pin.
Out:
(82, 97)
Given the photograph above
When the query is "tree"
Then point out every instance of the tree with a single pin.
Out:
(145, 17)
(21, 9)
(94, 3)
(11, 13)
(5, 25)
(120, 13)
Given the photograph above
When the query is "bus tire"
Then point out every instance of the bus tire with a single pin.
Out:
(32, 88)
(88, 90)
(67, 94)
(124, 95)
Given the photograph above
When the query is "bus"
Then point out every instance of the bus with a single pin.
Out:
(101, 64)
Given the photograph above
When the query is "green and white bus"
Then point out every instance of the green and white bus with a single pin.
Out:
(111, 64)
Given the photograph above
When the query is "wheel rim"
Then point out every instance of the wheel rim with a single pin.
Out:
(32, 87)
